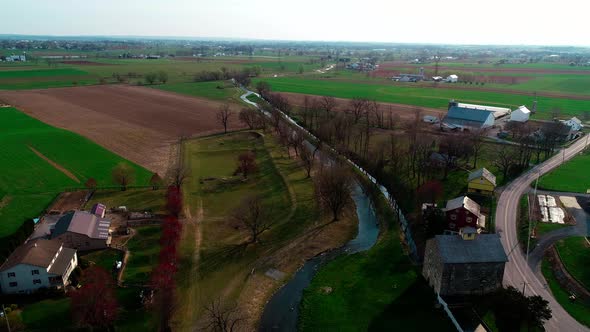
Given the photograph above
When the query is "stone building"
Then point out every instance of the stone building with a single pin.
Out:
(464, 264)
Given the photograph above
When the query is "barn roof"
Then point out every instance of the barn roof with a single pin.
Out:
(482, 172)
(485, 248)
(523, 109)
(83, 222)
(468, 114)
(463, 202)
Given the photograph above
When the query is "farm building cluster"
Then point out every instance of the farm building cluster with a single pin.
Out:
(49, 255)
(13, 58)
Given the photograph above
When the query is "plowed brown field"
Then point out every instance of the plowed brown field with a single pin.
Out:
(140, 124)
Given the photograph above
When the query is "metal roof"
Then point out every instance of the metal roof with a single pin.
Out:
(38, 252)
(482, 172)
(468, 114)
(485, 248)
(463, 202)
(83, 222)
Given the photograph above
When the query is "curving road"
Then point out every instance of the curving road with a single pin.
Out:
(518, 272)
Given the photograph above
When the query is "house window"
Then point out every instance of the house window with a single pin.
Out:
(453, 216)
(11, 274)
(13, 284)
(36, 281)
(34, 272)
(469, 220)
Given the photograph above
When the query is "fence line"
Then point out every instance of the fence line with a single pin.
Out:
(449, 313)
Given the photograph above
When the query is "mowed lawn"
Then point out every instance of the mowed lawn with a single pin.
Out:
(421, 96)
(573, 176)
(29, 182)
(575, 255)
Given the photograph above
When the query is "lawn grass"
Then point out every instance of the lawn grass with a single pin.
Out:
(573, 176)
(135, 199)
(50, 314)
(29, 183)
(105, 258)
(576, 309)
(373, 290)
(575, 255)
(421, 96)
(144, 249)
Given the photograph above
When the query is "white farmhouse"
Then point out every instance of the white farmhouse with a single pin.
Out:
(452, 78)
(37, 264)
(521, 114)
(574, 124)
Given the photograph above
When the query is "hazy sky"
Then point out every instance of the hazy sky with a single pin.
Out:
(562, 22)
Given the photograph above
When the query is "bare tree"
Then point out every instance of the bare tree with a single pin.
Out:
(476, 138)
(263, 88)
(222, 318)
(254, 216)
(328, 104)
(223, 115)
(123, 174)
(358, 106)
(249, 117)
(332, 188)
(156, 181)
(504, 159)
(307, 158)
(246, 164)
(178, 175)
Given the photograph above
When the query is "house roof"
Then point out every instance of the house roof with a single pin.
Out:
(82, 222)
(523, 109)
(468, 114)
(62, 261)
(576, 120)
(482, 172)
(485, 248)
(38, 252)
(463, 202)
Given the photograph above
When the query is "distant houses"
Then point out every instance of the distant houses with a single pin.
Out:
(481, 181)
(472, 117)
(464, 264)
(463, 212)
(37, 264)
(14, 58)
(452, 78)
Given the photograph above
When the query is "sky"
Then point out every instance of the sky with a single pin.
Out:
(506, 22)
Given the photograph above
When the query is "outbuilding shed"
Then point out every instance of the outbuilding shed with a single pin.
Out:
(521, 114)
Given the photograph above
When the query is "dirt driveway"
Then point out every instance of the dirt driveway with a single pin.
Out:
(140, 124)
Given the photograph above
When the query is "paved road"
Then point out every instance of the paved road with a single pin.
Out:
(518, 271)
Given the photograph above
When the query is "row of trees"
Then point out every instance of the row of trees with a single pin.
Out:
(242, 76)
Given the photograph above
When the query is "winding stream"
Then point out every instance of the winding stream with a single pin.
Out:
(282, 311)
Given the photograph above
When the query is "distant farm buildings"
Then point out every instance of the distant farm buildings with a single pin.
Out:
(464, 264)
(13, 58)
(521, 114)
(410, 77)
(452, 78)
(470, 116)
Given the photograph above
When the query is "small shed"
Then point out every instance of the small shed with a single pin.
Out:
(452, 78)
(521, 114)
(481, 181)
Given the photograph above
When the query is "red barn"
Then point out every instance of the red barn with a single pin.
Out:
(463, 212)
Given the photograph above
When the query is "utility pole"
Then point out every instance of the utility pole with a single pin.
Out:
(524, 287)
(6, 317)
(531, 211)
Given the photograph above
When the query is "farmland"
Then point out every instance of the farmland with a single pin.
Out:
(30, 182)
(422, 96)
(572, 176)
(141, 124)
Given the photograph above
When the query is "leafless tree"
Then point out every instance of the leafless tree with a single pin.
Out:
(358, 106)
(377, 112)
(504, 158)
(246, 164)
(307, 158)
(177, 175)
(295, 140)
(223, 115)
(263, 88)
(249, 117)
(222, 318)
(332, 187)
(328, 104)
(476, 138)
(123, 174)
(253, 215)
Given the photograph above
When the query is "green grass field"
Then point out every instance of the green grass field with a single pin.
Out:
(421, 96)
(29, 182)
(577, 309)
(372, 291)
(575, 255)
(144, 250)
(573, 176)
(140, 199)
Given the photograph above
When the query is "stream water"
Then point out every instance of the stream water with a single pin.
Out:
(282, 311)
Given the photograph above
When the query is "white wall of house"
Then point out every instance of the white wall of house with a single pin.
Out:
(29, 278)
(520, 115)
